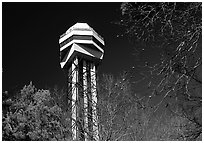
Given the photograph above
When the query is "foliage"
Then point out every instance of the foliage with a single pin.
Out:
(123, 117)
(162, 22)
(114, 104)
(174, 28)
(34, 115)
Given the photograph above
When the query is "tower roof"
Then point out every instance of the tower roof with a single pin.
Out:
(80, 39)
(79, 26)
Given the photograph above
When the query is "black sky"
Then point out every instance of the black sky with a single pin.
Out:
(30, 48)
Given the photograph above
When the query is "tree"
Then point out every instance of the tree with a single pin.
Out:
(175, 29)
(123, 117)
(114, 107)
(34, 115)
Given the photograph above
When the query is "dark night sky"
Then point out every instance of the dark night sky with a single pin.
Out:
(30, 48)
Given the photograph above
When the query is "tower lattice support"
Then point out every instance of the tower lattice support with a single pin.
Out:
(74, 97)
(94, 102)
(83, 100)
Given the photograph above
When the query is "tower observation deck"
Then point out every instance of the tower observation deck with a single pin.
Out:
(81, 51)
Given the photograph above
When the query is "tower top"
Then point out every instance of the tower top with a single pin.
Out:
(81, 26)
(80, 40)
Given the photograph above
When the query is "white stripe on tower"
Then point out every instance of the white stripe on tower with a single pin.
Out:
(74, 97)
(94, 101)
(85, 100)
(80, 32)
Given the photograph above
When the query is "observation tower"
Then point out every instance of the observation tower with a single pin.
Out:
(81, 51)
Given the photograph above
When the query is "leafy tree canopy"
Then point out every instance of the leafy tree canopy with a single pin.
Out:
(34, 115)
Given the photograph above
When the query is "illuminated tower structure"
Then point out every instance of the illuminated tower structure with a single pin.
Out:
(81, 51)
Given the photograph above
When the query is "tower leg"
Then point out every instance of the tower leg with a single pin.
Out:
(85, 100)
(94, 102)
(89, 115)
(74, 98)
